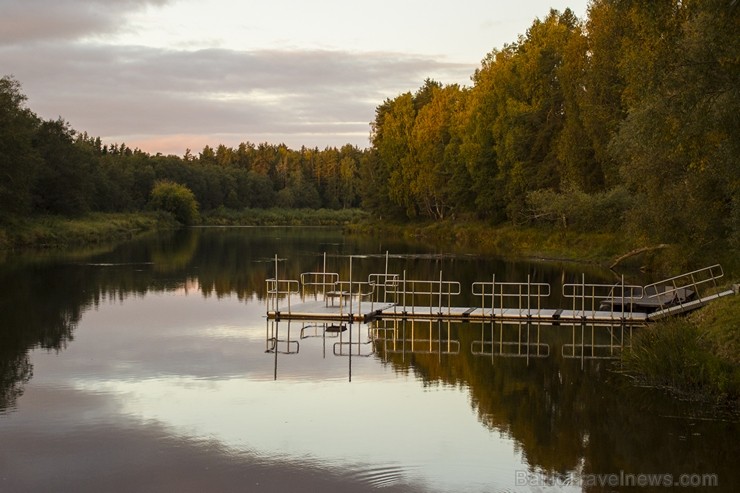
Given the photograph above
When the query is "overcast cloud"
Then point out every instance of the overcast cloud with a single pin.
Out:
(169, 98)
(24, 21)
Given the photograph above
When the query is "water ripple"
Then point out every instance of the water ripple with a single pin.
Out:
(381, 476)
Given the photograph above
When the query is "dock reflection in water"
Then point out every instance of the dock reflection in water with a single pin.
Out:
(497, 339)
(347, 340)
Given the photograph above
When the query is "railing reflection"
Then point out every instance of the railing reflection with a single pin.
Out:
(415, 336)
(589, 341)
(494, 339)
(344, 339)
(273, 341)
(515, 340)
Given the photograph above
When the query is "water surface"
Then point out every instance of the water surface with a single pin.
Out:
(147, 366)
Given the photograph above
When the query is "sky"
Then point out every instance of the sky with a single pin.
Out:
(165, 76)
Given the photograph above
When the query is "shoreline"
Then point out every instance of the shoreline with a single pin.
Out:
(52, 232)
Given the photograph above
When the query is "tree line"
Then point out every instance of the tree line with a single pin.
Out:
(627, 120)
(49, 168)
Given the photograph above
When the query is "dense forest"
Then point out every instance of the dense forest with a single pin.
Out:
(49, 168)
(626, 121)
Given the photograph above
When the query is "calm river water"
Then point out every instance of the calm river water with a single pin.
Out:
(149, 367)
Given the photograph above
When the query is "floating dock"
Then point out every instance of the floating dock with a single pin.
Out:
(323, 296)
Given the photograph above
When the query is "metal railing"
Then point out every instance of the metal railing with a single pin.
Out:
(277, 288)
(684, 288)
(522, 296)
(382, 283)
(350, 290)
(323, 281)
(407, 292)
(433, 298)
(620, 300)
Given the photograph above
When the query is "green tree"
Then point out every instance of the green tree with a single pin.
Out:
(374, 178)
(430, 169)
(114, 186)
(261, 192)
(679, 143)
(477, 147)
(207, 156)
(19, 160)
(243, 155)
(601, 106)
(530, 108)
(328, 177)
(176, 199)
(225, 156)
(65, 183)
(348, 176)
(389, 175)
(579, 166)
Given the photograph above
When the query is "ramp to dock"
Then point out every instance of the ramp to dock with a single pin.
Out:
(687, 306)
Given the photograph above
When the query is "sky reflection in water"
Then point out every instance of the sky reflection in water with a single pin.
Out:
(196, 366)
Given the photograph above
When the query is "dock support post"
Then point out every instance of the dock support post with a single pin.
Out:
(583, 294)
(622, 298)
(404, 291)
(277, 287)
(350, 288)
(440, 293)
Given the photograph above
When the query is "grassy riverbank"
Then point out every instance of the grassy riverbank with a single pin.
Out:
(465, 235)
(60, 232)
(554, 243)
(695, 357)
(282, 217)
(93, 228)
(510, 241)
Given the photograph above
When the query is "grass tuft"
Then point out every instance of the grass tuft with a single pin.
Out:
(696, 356)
